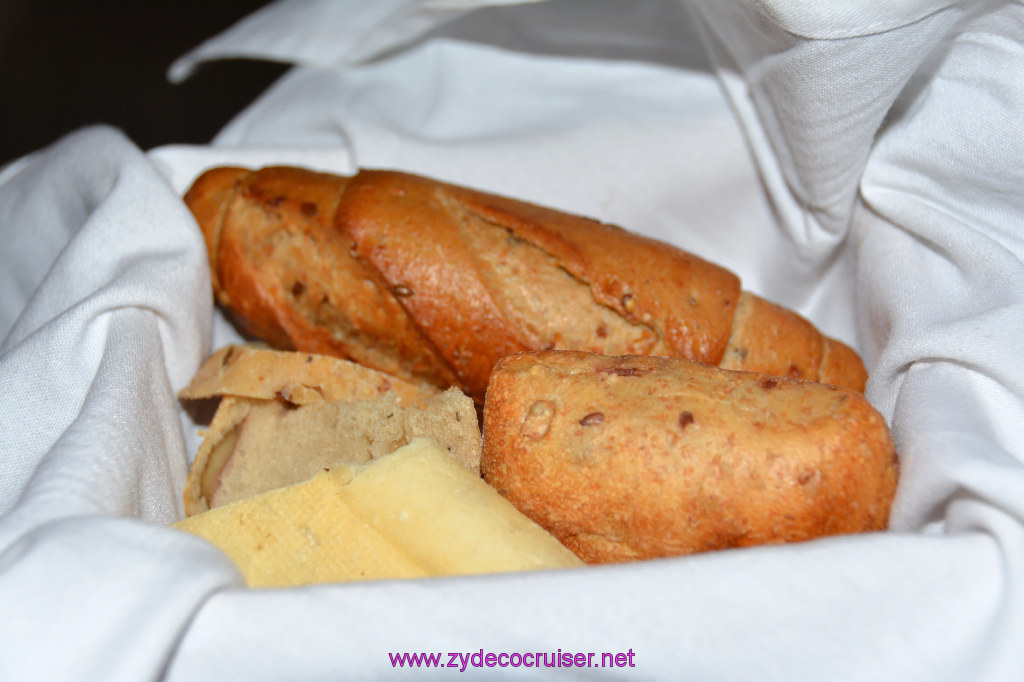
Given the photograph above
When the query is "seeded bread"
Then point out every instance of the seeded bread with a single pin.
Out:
(434, 282)
(625, 458)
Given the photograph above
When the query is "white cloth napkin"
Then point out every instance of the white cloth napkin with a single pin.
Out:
(861, 162)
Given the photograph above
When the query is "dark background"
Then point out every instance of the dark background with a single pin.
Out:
(65, 64)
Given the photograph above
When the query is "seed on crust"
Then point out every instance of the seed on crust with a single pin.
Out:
(538, 420)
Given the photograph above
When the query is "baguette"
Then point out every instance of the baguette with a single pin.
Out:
(627, 458)
(433, 282)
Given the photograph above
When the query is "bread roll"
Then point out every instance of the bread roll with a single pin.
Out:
(433, 282)
(625, 458)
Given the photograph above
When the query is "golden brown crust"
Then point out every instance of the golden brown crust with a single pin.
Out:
(209, 198)
(401, 227)
(289, 278)
(687, 300)
(770, 339)
(766, 335)
(841, 366)
(430, 281)
(639, 457)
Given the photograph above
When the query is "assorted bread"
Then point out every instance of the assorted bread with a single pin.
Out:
(636, 402)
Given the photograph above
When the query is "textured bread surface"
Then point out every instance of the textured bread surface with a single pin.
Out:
(297, 378)
(284, 416)
(633, 457)
(434, 282)
(412, 513)
(289, 278)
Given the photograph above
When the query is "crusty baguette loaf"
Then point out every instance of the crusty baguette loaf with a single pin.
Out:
(625, 458)
(434, 282)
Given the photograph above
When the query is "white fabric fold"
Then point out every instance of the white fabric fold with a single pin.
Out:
(101, 326)
(92, 455)
(308, 32)
(860, 162)
(809, 612)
